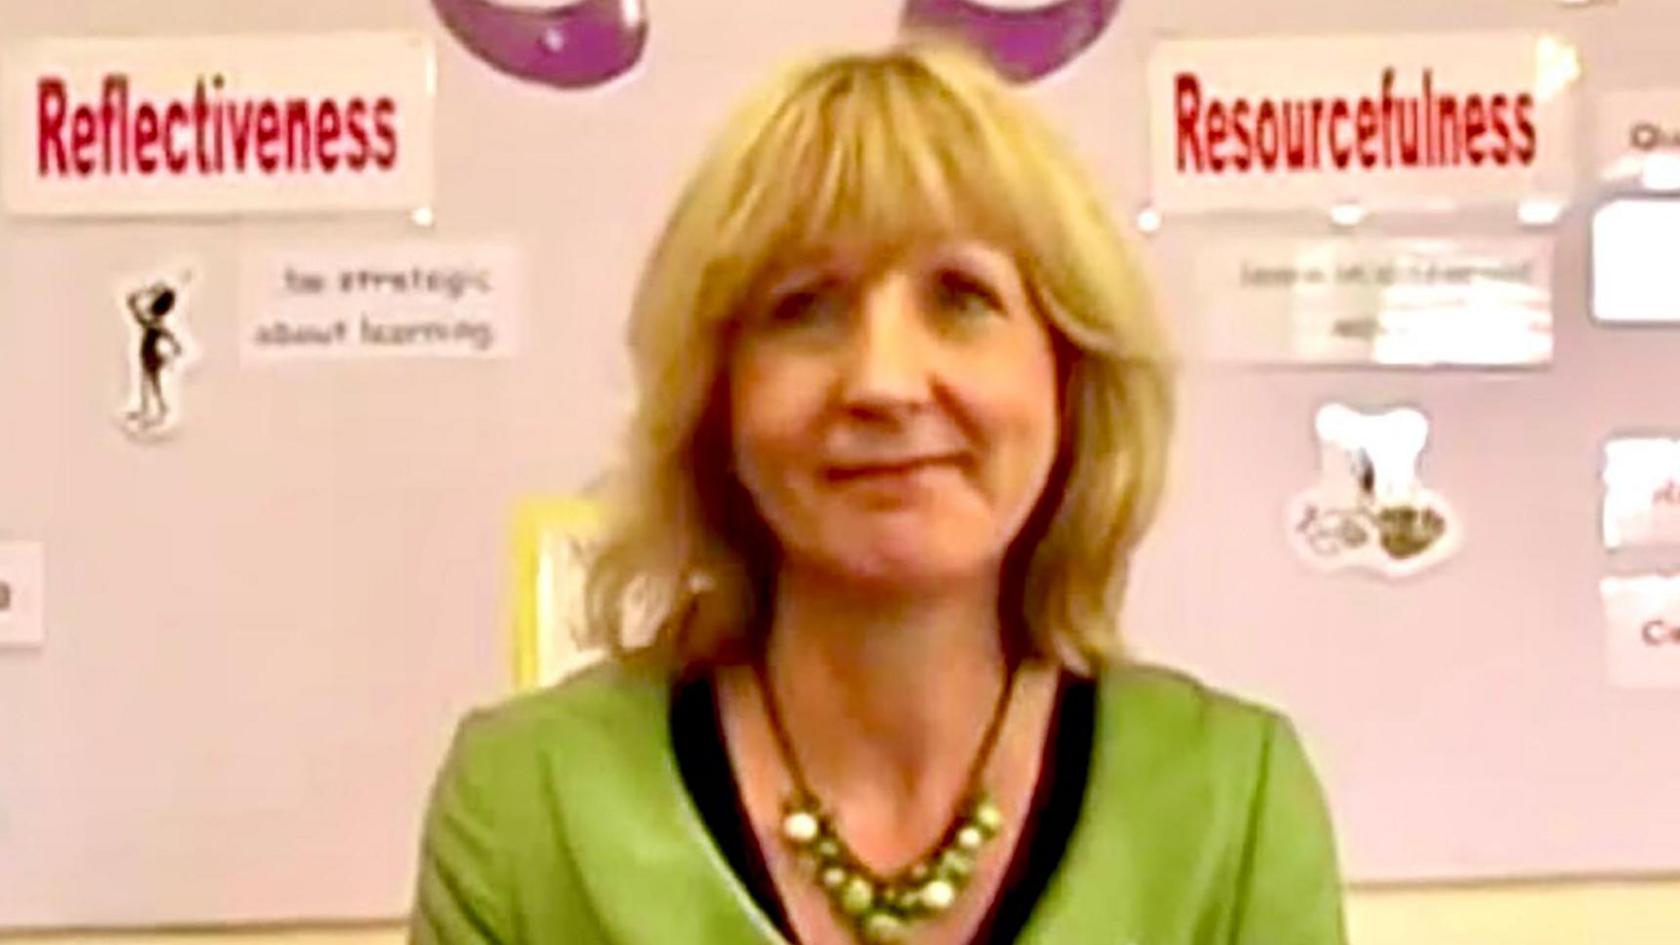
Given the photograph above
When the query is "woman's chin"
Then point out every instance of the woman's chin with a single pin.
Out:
(919, 569)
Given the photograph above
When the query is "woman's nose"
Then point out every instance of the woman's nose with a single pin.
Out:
(888, 358)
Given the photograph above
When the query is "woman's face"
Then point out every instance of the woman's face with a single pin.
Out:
(895, 419)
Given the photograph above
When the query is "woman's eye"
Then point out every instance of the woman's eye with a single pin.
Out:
(803, 307)
(959, 293)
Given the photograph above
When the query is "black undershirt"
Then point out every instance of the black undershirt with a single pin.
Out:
(1053, 812)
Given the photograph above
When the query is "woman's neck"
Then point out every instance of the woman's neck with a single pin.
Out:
(886, 692)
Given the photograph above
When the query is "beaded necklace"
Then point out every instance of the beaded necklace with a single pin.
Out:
(881, 908)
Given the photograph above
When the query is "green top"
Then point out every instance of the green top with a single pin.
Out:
(560, 817)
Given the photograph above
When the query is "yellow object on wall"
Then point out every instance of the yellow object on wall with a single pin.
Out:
(551, 536)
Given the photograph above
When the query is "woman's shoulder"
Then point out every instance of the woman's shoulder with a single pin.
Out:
(1163, 711)
(597, 697)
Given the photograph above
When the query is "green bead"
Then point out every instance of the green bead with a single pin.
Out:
(833, 878)
(970, 838)
(857, 896)
(827, 849)
(955, 864)
(988, 818)
(883, 927)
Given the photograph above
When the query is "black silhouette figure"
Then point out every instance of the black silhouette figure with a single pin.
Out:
(158, 349)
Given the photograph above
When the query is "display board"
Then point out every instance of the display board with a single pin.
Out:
(246, 605)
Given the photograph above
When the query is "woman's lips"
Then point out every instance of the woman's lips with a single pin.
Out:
(887, 469)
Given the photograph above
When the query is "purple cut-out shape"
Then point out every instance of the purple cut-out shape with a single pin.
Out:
(1023, 44)
(572, 47)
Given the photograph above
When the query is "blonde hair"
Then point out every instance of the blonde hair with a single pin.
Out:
(920, 140)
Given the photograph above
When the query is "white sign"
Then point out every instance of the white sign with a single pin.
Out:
(1642, 617)
(1398, 121)
(1638, 135)
(1641, 492)
(1376, 301)
(399, 299)
(217, 125)
(22, 594)
(1634, 276)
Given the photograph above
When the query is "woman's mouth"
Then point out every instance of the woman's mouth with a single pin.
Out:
(888, 469)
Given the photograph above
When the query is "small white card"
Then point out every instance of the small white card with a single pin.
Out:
(1637, 133)
(1405, 302)
(1642, 617)
(1634, 278)
(1641, 492)
(22, 594)
(397, 299)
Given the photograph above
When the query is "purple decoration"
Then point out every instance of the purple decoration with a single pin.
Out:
(1023, 44)
(572, 47)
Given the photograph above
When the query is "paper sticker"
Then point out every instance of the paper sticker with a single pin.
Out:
(160, 350)
(398, 299)
(1408, 302)
(22, 594)
(1642, 618)
(1369, 510)
(1634, 276)
(1638, 136)
(1641, 492)
(1383, 120)
(217, 125)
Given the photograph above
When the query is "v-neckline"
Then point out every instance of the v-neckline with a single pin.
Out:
(710, 778)
(632, 819)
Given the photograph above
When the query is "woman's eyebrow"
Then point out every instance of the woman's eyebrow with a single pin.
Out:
(979, 262)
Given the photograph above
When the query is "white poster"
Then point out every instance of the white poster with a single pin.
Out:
(1407, 302)
(22, 594)
(1634, 276)
(400, 299)
(1409, 120)
(1642, 618)
(1641, 492)
(218, 125)
(1637, 135)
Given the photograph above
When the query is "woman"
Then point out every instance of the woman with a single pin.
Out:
(903, 415)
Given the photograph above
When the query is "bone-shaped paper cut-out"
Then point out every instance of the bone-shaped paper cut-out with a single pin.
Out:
(1384, 447)
(1369, 509)
(1023, 44)
(576, 46)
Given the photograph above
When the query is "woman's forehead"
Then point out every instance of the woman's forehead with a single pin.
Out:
(855, 253)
